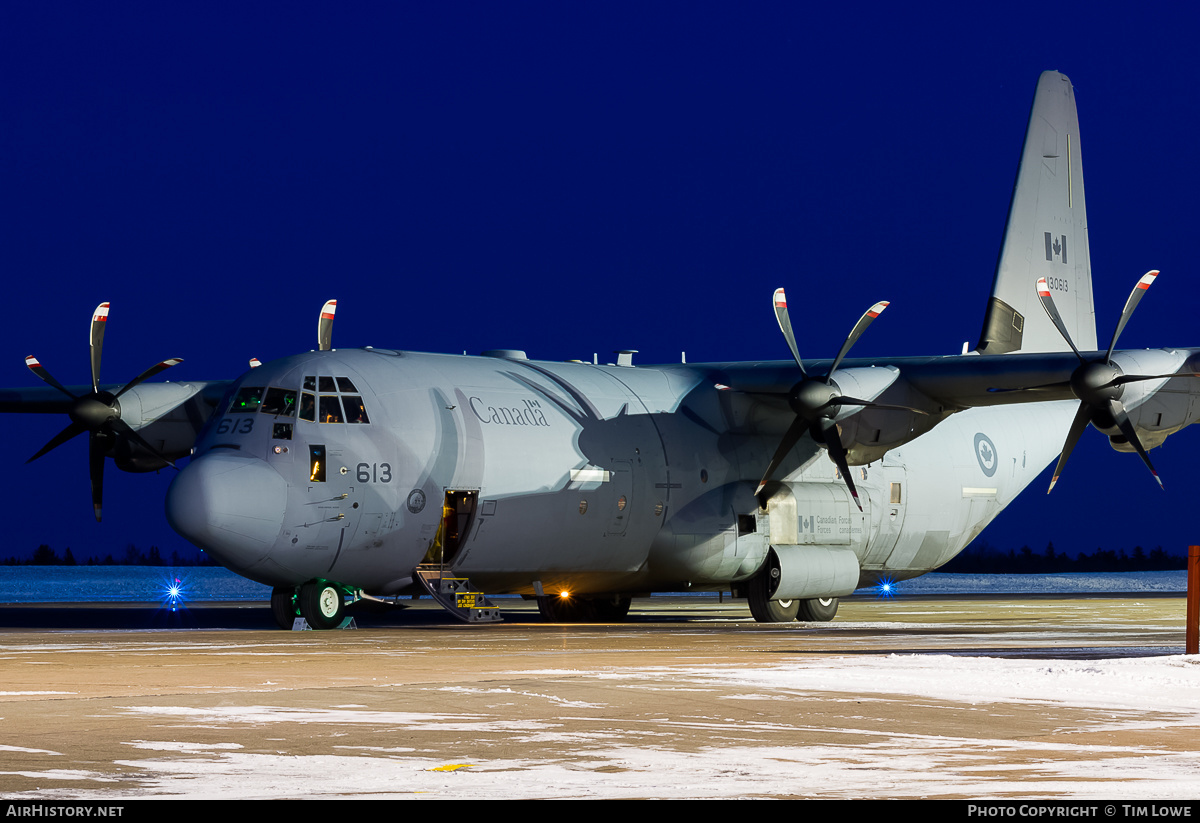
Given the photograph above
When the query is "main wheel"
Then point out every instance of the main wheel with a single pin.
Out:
(758, 593)
(560, 609)
(819, 610)
(283, 606)
(322, 605)
(610, 609)
(774, 611)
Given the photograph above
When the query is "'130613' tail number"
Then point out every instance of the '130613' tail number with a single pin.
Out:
(374, 472)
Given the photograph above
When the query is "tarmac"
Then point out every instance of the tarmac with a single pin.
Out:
(122, 701)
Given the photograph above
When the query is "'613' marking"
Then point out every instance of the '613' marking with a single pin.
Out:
(373, 472)
(235, 425)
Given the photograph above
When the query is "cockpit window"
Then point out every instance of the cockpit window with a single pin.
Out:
(247, 399)
(308, 407)
(279, 402)
(338, 401)
(331, 409)
(356, 412)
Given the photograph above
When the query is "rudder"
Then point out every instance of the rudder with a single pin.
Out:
(1046, 235)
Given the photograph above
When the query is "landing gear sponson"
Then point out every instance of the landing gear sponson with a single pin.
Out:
(760, 589)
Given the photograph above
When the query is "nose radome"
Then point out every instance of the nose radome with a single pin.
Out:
(230, 506)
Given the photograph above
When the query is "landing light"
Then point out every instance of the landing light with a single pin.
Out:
(564, 594)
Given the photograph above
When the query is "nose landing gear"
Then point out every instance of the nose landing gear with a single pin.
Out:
(322, 605)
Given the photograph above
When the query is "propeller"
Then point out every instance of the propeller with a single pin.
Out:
(325, 326)
(818, 400)
(97, 412)
(1099, 384)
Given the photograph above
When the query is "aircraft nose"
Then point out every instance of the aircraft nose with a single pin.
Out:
(230, 506)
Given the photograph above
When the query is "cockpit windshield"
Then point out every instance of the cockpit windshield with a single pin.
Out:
(325, 399)
(279, 402)
(246, 400)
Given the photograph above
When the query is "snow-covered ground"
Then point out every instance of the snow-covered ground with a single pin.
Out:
(700, 752)
(1110, 723)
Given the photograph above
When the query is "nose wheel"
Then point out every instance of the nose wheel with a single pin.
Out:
(283, 607)
(321, 604)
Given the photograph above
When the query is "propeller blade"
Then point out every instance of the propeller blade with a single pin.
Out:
(148, 373)
(785, 326)
(790, 438)
(842, 400)
(861, 326)
(98, 445)
(127, 431)
(325, 326)
(1122, 420)
(40, 370)
(1137, 378)
(1135, 297)
(1043, 293)
(1062, 384)
(99, 321)
(62, 437)
(833, 443)
(1082, 418)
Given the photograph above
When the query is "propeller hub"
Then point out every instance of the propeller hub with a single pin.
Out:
(811, 399)
(94, 410)
(1092, 383)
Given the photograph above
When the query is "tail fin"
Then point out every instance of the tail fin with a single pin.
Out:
(1046, 235)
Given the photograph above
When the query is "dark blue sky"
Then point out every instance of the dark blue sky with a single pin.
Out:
(566, 180)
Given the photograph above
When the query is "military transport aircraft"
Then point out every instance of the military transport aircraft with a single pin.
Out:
(336, 475)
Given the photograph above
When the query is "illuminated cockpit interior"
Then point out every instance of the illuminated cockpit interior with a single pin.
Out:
(324, 399)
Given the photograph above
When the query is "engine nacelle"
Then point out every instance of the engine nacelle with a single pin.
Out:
(863, 384)
(1156, 408)
(869, 433)
(167, 415)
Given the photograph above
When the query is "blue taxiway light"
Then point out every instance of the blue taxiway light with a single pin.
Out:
(173, 593)
(886, 588)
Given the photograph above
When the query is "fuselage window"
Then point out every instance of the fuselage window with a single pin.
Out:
(326, 384)
(356, 412)
(310, 383)
(279, 402)
(331, 409)
(247, 399)
(345, 385)
(308, 407)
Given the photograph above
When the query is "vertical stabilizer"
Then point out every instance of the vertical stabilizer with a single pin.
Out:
(1046, 235)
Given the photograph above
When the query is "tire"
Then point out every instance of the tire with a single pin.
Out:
(611, 609)
(774, 611)
(758, 593)
(818, 610)
(283, 606)
(322, 605)
(558, 610)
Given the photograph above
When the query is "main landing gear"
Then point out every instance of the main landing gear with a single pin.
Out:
(605, 609)
(762, 586)
(319, 602)
(819, 610)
